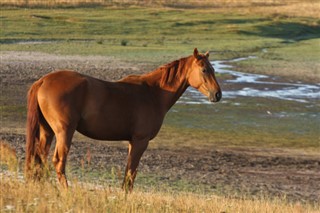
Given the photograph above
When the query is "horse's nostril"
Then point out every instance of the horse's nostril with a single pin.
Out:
(215, 97)
(218, 96)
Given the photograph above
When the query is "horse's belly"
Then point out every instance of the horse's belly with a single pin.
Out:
(106, 130)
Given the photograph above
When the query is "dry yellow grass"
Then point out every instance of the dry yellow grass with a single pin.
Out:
(288, 8)
(8, 156)
(19, 196)
(46, 196)
(297, 8)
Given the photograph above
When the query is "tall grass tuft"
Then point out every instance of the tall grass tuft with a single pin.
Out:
(8, 157)
(124, 42)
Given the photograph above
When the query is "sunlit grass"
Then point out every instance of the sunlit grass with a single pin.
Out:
(46, 196)
(285, 45)
(302, 8)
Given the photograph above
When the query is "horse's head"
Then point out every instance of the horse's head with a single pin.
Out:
(202, 78)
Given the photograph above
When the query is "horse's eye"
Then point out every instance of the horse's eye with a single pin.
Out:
(204, 70)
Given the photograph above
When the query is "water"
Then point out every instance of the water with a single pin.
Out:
(254, 85)
(254, 107)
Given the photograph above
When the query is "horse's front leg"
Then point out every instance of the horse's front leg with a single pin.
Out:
(135, 151)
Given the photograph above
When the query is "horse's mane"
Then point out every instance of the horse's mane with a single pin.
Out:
(172, 71)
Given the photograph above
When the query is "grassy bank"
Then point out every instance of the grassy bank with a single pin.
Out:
(158, 35)
(285, 45)
(283, 35)
(302, 8)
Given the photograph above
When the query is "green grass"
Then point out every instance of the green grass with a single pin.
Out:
(154, 36)
(247, 124)
(295, 61)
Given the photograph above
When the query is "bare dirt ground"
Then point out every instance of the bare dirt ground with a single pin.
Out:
(255, 171)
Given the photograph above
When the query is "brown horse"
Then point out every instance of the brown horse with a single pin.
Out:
(131, 109)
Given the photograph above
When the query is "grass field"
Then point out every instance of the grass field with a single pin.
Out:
(284, 35)
(284, 45)
(46, 196)
(157, 35)
(302, 8)
(105, 200)
(82, 198)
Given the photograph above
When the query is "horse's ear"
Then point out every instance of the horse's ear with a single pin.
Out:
(207, 54)
(195, 53)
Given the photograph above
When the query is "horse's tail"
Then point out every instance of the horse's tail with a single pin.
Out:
(33, 124)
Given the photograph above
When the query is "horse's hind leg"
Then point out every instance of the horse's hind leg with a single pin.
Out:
(63, 143)
(43, 148)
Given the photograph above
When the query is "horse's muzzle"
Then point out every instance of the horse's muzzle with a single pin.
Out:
(215, 96)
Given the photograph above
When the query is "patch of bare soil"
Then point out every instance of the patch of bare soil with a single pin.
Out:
(220, 170)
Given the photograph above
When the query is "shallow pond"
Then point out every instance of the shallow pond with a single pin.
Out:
(252, 104)
(239, 84)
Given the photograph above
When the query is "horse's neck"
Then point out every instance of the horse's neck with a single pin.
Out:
(167, 83)
(169, 98)
(168, 89)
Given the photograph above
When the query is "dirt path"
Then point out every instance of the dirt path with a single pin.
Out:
(225, 171)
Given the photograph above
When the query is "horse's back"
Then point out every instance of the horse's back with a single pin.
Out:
(98, 109)
(62, 81)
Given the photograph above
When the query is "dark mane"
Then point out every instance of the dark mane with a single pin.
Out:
(172, 71)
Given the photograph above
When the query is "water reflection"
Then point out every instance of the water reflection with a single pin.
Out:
(254, 85)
